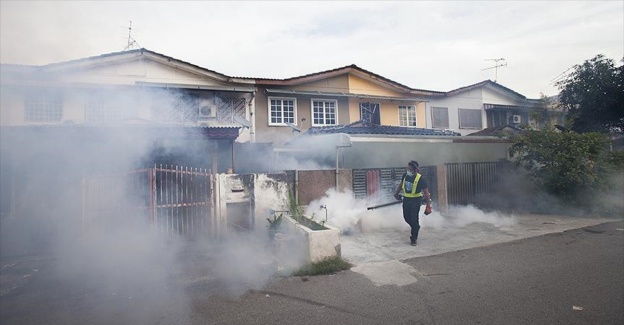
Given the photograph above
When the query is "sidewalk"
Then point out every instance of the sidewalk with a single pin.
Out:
(380, 245)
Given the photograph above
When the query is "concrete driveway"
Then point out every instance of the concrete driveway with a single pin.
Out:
(381, 239)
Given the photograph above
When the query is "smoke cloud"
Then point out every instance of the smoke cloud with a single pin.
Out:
(350, 214)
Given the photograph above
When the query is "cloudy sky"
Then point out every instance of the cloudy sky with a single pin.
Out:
(440, 45)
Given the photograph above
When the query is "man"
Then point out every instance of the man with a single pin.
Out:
(414, 188)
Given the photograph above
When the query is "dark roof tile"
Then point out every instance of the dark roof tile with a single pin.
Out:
(364, 128)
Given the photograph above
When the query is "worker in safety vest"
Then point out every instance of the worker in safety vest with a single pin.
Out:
(414, 188)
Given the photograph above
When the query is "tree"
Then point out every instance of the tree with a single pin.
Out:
(567, 165)
(593, 96)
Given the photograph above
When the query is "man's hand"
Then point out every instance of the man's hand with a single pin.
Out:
(428, 209)
(398, 197)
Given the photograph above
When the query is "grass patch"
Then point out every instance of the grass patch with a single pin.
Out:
(328, 265)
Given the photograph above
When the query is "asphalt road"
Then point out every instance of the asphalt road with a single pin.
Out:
(570, 277)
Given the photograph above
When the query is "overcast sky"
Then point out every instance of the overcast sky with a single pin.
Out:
(440, 45)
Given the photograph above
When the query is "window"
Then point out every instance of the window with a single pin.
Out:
(175, 107)
(323, 112)
(369, 113)
(43, 107)
(407, 116)
(281, 111)
(110, 106)
(469, 118)
(439, 117)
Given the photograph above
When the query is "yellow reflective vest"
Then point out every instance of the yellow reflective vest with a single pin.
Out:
(413, 192)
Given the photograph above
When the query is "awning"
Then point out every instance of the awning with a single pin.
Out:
(200, 87)
(506, 107)
(341, 94)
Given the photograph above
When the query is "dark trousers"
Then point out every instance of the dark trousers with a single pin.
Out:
(411, 209)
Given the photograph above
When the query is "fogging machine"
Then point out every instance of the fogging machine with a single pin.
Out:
(384, 205)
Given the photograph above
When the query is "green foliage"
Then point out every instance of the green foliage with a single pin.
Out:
(567, 165)
(593, 95)
(328, 265)
(541, 114)
(293, 207)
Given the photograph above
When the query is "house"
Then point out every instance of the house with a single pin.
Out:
(475, 107)
(109, 114)
(131, 90)
(334, 97)
(64, 124)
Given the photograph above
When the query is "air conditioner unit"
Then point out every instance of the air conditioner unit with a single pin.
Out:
(516, 119)
(207, 109)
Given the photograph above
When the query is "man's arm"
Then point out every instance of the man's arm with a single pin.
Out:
(398, 190)
(427, 196)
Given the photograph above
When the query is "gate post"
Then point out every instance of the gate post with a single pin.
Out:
(442, 188)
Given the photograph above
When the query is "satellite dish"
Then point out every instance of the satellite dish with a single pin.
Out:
(293, 127)
(242, 121)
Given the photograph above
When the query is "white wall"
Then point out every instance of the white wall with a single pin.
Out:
(472, 99)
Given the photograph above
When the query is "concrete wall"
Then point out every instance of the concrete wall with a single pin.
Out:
(311, 245)
(312, 184)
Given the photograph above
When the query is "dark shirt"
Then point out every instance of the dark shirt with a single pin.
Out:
(422, 182)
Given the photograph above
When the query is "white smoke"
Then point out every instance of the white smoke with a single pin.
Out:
(350, 214)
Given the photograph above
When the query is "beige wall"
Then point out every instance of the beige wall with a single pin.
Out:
(360, 86)
(119, 78)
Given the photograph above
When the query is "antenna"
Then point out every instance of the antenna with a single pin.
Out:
(131, 41)
(496, 66)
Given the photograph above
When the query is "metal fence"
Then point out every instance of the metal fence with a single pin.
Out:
(174, 199)
(474, 183)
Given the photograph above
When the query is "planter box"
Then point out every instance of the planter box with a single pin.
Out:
(312, 243)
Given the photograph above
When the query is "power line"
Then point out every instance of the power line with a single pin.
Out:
(557, 78)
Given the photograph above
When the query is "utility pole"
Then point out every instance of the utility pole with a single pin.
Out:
(496, 66)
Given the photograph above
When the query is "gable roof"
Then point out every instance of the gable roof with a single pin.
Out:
(349, 69)
(485, 83)
(130, 55)
(360, 127)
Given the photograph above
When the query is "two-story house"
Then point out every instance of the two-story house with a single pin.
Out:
(475, 107)
(110, 113)
(335, 97)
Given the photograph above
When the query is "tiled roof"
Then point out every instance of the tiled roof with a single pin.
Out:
(498, 131)
(364, 128)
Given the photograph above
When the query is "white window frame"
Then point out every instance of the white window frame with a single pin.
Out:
(325, 114)
(405, 117)
(459, 115)
(43, 107)
(433, 121)
(281, 117)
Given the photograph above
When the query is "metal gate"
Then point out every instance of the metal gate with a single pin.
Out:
(174, 199)
(473, 183)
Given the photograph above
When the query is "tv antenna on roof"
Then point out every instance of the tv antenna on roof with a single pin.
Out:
(131, 41)
(496, 66)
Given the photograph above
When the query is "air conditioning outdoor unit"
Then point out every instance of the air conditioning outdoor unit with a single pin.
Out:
(516, 119)
(207, 109)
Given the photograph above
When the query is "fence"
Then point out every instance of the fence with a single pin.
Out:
(474, 183)
(174, 199)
